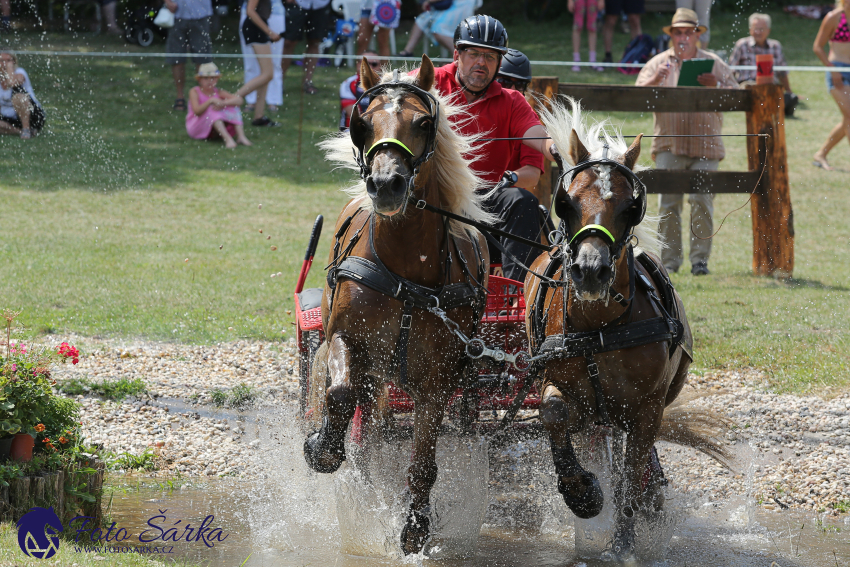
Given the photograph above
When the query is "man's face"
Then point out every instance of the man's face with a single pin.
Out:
(685, 42)
(759, 30)
(477, 66)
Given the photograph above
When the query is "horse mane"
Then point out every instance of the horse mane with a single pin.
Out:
(566, 115)
(457, 182)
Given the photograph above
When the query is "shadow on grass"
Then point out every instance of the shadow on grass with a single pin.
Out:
(813, 284)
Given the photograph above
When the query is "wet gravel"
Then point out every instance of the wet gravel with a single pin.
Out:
(792, 450)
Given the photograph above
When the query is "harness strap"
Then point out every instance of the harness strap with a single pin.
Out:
(593, 374)
(637, 333)
(399, 361)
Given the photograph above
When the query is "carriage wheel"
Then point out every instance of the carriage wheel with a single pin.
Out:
(307, 357)
(145, 36)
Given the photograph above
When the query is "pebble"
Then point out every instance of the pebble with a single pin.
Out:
(792, 449)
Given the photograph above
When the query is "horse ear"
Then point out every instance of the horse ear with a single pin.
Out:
(425, 78)
(578, 153)
(357, 128)
(368, 78)
(633, 153)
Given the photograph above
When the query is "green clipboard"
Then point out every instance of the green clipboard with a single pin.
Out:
(693, 68)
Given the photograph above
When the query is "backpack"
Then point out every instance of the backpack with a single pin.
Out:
(639, 50)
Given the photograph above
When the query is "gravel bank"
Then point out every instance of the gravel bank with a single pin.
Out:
(793, 450)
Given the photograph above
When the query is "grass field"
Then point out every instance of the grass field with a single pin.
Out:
(114, 223)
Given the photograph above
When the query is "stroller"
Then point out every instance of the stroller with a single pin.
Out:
(339, 42)
(140, 28)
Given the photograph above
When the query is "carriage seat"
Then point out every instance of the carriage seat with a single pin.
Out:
(310, 298)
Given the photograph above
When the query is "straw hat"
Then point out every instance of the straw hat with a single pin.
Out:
(208, 70)
(685, 18)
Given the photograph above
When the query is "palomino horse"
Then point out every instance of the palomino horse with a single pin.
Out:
(395, 268)
(609, 331)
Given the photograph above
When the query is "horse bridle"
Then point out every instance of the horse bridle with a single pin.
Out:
(364, 157)
(572, 240)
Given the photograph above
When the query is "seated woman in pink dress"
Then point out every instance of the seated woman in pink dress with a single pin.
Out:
(214, 113)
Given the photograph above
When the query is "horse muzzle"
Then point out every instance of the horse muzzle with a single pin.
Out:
(591, 270)
(387, 191)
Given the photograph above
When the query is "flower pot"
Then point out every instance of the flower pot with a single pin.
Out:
(5, 447)
(22, 446)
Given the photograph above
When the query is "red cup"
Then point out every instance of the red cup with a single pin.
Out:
(764, 69)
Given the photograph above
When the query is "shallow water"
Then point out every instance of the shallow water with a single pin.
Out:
(295, 517)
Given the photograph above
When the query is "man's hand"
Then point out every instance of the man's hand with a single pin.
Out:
(571, 6)
(172, 7)
(708, 80)
(660, 75)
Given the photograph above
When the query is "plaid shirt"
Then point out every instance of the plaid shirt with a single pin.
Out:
(703, 147)
(745, 54)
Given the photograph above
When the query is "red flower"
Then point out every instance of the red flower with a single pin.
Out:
(46, 440)
(39, 427)
(69, 351)
(63, 440)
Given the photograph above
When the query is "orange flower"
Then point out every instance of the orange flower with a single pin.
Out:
(63, 440)
(46, 440)
(39, 427)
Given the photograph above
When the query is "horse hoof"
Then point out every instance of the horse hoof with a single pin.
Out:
(584, 497)
(319, 457)
(415, 532)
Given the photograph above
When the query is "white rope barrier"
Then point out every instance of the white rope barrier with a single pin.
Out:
(795, 68)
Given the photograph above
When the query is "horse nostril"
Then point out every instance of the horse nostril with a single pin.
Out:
(604, 273)
(576, 273)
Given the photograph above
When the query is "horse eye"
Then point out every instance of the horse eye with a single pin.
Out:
(425, 124)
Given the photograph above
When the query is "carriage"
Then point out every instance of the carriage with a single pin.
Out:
(498, 389)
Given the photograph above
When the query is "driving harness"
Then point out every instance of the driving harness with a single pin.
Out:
(375, 275)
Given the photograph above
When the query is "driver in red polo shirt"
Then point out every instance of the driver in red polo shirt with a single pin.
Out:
(480, 42)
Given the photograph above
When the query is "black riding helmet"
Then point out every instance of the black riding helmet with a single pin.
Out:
(481, 31)
(515, 65)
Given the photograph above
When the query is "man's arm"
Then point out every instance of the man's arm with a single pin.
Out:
(528, 177)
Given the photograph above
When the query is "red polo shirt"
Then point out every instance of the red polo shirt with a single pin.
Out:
(522, 155)
(500, 113)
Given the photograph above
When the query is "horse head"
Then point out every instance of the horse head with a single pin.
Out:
(395, 135)
(601, 206)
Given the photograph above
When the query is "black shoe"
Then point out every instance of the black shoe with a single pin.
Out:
(264, 121)
(700, 269)
(608, 58)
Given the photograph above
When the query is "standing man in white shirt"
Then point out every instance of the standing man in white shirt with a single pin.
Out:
(309, 18)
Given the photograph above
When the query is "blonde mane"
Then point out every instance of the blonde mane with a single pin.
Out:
(566, 115)
(450, 164)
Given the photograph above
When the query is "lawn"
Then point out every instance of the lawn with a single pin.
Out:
(114, 223)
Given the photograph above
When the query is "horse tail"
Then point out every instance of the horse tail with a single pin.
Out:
(697, 428)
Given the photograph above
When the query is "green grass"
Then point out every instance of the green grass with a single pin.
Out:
(239, 397)
(128, 461)
(115, 390)
(115, 223)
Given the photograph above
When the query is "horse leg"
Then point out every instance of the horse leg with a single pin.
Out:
(324, 450)
(639, 444)
(422, 473)
(580, 488)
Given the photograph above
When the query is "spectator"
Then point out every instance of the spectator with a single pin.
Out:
(439, 19)
(20, 111)
(191, 33)
(257, 34)
(381, 14)
(834, 30)
(527, 163)
(703, 11)
(703, 152)
(758, 43)
(309, 18)
(350, 90)
(480, 42)
(5, 15)
(633, 10)
(274, 90)
(214, 113)
(108, 7)
(585, 10)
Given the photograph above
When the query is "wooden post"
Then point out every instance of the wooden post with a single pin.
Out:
(773, 217)
(543, 90)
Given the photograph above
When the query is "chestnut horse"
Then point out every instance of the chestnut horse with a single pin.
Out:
(395, 267)
(612, 338)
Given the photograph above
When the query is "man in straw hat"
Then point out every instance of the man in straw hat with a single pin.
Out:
(702, 152)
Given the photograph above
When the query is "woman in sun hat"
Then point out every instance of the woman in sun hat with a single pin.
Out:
(213, 112)
(834, 30)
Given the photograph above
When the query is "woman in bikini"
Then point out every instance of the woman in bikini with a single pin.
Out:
(834, 30)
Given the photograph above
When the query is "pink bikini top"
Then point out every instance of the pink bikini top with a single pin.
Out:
(842, 33)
